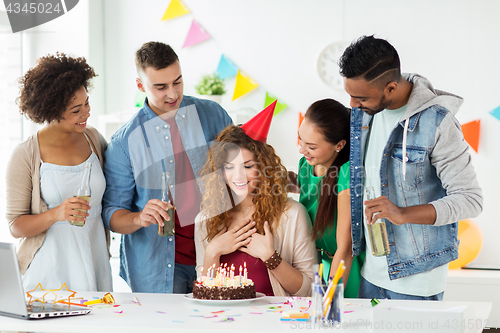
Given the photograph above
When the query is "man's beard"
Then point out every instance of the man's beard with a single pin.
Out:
(382, 105)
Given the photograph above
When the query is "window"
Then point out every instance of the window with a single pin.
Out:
(10, 119)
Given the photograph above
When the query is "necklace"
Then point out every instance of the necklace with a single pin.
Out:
(246, 213)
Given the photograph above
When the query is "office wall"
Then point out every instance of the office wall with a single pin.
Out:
(454, 43)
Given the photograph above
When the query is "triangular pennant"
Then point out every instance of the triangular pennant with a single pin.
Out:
(301, 118)
(195, 35)
(139, 98)
(496, 113)
(175, 9)
(258, 127)
(226, 68)
(471, 132)
(243, 86)
(279, 107)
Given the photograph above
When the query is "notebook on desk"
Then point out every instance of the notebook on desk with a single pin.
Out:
(12, 296)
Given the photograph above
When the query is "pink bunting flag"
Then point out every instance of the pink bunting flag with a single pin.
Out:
(195, 35)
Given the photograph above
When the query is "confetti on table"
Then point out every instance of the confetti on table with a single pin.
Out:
(196, 316)
(121, 315)
(116, 305)
(255, 312)
(216, 312)
(348, 311)
(226, 320)
(214, 316)
(294, 319)
(196, 310)
(161, 312)
(119, 311)
(253, 307)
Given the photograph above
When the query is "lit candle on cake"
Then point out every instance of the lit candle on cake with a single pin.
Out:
(201, 274)
(245, 271)
(241, 268)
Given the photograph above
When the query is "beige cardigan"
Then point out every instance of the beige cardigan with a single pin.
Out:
(23, 189)
(292, 241)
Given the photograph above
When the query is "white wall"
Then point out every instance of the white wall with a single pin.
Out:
(452, 42)
(71, 34)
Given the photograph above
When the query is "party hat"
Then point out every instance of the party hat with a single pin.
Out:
(258, 127)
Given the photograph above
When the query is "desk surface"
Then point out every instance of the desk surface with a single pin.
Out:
(158, 312)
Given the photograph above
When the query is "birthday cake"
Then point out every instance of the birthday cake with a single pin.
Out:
(224, 286)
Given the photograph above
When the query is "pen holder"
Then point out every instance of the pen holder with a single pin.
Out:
(326, 312)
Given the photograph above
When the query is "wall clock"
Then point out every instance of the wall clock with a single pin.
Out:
(327, 67)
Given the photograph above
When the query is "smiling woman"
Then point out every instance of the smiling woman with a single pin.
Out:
(246, 218)
(43, 175)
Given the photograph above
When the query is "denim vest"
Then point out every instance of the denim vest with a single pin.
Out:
(414, 248)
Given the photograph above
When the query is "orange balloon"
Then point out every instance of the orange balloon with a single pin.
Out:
(471, 243)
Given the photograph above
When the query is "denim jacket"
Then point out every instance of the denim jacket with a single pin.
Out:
(136, 156)
(436, 169)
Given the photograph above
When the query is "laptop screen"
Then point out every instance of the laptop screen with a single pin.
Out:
(12, 299)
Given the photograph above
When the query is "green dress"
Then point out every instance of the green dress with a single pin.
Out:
(309, 195)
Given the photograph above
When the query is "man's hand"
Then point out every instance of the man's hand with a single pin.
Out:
(153, 213)
(383, 208)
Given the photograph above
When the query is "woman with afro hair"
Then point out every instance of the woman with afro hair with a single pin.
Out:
(246, 217)
(44, 173)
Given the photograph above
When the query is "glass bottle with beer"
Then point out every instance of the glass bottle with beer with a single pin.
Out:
(168, 228)
(83, 192)
(377, 232)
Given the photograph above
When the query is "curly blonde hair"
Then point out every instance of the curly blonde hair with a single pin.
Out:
(270, 198)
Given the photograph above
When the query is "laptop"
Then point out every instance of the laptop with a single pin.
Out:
(12, 296)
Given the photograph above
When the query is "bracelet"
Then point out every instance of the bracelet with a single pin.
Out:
(274, 261)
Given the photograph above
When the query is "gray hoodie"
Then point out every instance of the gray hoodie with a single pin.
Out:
(467, 201)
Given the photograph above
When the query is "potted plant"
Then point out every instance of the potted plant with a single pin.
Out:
(211, 86)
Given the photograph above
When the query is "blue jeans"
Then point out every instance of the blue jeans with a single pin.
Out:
(184, 276)
(368, 290)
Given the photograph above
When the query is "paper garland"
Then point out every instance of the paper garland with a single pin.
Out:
(226, 68)
(496, 113)
(244, 85)
(195, 35)
(279, 106)
(301, 118)
(175, 9)
(471, 131)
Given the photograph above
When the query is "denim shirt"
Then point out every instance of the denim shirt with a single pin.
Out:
(136, 156)
(436, 173)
